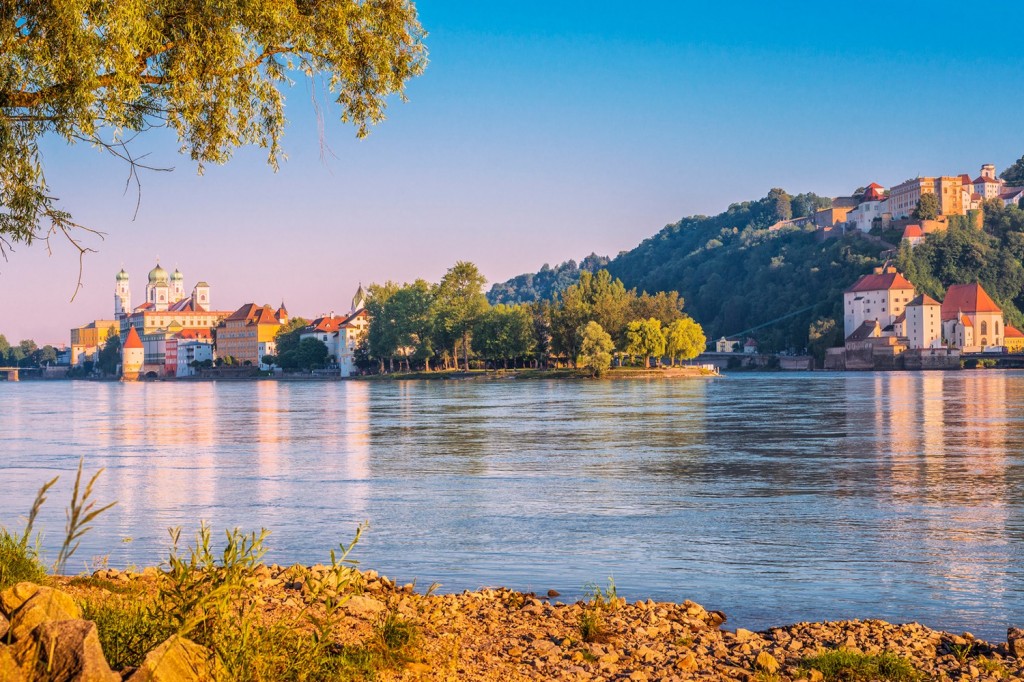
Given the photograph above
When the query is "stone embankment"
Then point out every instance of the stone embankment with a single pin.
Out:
(499, 634)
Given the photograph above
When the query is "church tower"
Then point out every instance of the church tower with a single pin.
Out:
(358, 301)
(122, 295)
(177, 286)
(158, 289)
(201, 295)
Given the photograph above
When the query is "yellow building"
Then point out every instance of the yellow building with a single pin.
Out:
(904, 197)
(1013, 340)
(248, 331)
(85, 341)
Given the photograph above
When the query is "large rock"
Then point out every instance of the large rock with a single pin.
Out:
(63, 651)
(5, 625)
(9, 670)
(44, 605)
(1015, 642)
(15, 596)
(177, 660)
(363, 607)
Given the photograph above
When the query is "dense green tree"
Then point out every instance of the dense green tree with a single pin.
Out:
(504, 333)
(5, 348)
(596, 349)
(684, 339)
(382, 334)
(928, 207)
(1014, 175)
(569, 316)
(287, 337)
(781, 204)
(47, 355)
(459, 302)
(646, 339)
(805, 205)
(823, 334)
(410, 311)
(546, 284)
(311, 354)
(213, 73)
(109, 357)
(665, 306)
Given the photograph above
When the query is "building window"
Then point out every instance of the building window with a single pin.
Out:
(984, 328)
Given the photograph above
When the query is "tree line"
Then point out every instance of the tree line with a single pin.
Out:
(448, 323)
(26, 353)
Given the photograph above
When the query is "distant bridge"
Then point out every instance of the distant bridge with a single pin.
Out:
(14, 373)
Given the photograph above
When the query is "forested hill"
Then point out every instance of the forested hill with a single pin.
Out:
(734, 273)
(546, 283)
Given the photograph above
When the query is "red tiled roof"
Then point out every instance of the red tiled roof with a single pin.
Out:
(145, 306)
(326, 324)
(133, 340)
(923, 299)
(966, 321)
(875, 185)
(983, 179)
(880, 282)
(1012, 333)
(966, 179)
(967, 298)
(912, 231)
(194, 334)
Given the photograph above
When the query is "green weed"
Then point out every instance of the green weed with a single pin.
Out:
(591, 620)
(127, 629)
(843, 665)
(961, 652)
(993, 667)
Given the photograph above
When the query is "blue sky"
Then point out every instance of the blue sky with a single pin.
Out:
(542, 132)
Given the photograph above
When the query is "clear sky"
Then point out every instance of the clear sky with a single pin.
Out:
(542, 131)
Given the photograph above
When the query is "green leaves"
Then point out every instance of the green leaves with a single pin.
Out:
(103, 71)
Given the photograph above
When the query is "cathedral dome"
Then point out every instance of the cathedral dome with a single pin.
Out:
(122, 276)
(176, 276)
(157, 275)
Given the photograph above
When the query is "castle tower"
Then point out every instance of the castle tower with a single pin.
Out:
(122, 295)
(158, 290)
(358, 301)
(177, 286)
(132, 356)
(988, 171)
(201, 295)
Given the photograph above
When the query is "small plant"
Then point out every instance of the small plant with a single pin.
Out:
(992, 667)
(961, 652)
(127, 629)
(591, 621)
(19, 560)
(843, 665)
(393, 632)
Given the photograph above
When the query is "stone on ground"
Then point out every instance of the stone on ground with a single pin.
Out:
(63, 651)
(176, 660)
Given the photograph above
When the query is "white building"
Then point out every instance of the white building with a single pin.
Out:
(342, 334)
(882, 296)
(923, 324)
(873, 206)
(193, 350)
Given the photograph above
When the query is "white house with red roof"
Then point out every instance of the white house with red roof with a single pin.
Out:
(132, 356)
(913, 234)
(880, 296)
(873, 206)
(342, 334)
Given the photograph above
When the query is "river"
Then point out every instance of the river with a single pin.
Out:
(776, 498)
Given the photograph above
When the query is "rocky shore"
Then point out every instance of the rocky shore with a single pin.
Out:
(490, 634)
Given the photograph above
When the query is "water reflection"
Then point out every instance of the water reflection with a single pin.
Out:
(774, 497)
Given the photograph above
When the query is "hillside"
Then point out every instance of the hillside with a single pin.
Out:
(734, 273)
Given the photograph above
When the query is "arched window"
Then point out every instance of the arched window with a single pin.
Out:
(997, 327)
(984, 327)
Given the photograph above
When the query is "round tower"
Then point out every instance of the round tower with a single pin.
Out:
(132, 356)
(122, 295)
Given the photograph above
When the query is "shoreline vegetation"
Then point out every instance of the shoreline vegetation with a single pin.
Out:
(212, 613)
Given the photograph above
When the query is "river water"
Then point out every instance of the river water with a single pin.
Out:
(773, 497)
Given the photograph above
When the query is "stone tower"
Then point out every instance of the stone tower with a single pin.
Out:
(132, 356)
(122, 295)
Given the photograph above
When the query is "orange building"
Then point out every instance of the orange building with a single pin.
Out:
(970, 306)
(904, 197)
(85, 341)
(248, 333)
